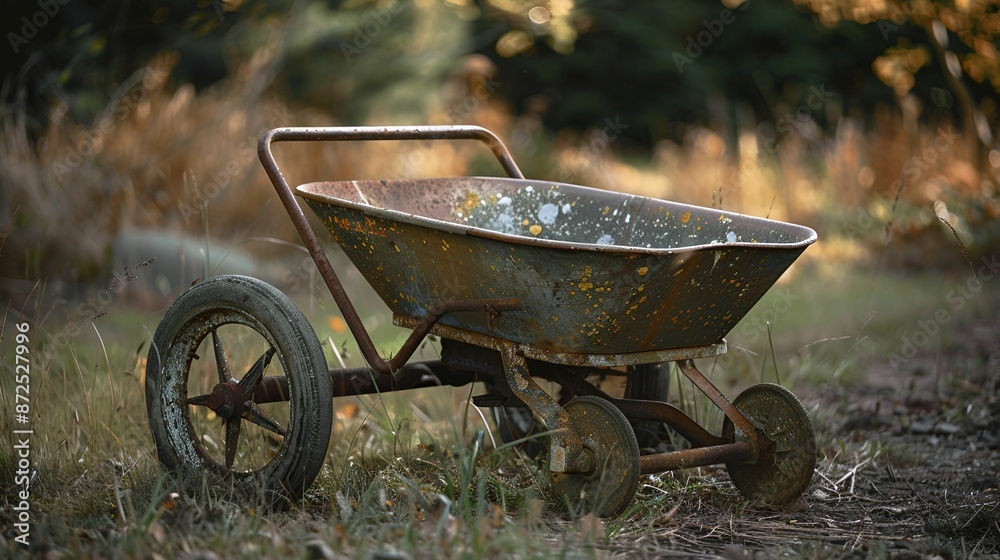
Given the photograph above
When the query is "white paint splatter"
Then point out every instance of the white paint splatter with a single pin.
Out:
(548, 213)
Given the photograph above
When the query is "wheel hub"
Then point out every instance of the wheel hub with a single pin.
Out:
(226, 400)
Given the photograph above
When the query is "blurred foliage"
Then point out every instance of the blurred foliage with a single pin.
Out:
(960, 35)
(665, 66)
(659, 67)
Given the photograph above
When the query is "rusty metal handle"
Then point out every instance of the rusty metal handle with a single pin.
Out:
(312, 243)
(363, 133)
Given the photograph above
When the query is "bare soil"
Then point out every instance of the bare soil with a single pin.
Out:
(912, 471)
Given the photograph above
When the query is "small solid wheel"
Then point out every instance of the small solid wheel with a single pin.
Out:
(222, 341)
(649, 382)
(782, 478)
(610, 485)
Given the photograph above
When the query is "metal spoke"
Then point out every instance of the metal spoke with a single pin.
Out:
(250, 381)
(222, 364)
(200, 400)
(264, 420)
(232, 440)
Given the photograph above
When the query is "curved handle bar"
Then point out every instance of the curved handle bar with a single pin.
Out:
(312, 243)
(360, 133)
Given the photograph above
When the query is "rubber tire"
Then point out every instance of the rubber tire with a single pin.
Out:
(263, 308)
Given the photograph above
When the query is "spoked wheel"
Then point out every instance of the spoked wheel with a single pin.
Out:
(776, 411)
(609, 438)
(221, 342)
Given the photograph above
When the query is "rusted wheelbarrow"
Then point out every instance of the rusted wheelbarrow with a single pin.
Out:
(522, 280)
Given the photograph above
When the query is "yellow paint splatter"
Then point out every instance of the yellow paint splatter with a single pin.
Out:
(525, 222)
(535, 229)
(685, 217)
(643, 270)
(338, 325)
(471, 199)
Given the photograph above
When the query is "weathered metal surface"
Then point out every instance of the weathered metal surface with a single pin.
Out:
(306, 232)
(568, 358)
(697, 457)
(733, 414)
(597, 272)
(609, 486)
(672, 416)
(786, 445)
(566, 450)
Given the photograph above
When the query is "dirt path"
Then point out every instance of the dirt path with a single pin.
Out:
(913, 471)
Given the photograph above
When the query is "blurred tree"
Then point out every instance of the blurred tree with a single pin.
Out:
(974, 23)
(385, 59)
(661, 66)
(72, 55)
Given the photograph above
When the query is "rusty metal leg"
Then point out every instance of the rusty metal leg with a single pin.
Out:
(566, 453)
(739, 420)
(670, 415)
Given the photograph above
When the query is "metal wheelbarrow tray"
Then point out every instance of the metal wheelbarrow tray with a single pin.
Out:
(522, 279)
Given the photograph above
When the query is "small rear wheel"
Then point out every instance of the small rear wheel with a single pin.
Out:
(782, 478)
(649, 382)
(222, 342)
(606, 434)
